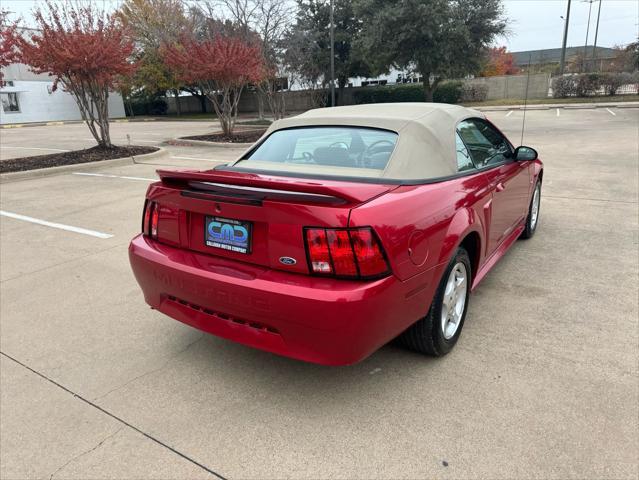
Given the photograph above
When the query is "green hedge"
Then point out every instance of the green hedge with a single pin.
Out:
(389, 94)
(143, 106)
(448, 92)
(445, 92)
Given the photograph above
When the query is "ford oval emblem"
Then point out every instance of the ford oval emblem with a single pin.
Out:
(288, 260)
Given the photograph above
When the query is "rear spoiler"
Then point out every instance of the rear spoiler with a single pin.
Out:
(257, 187)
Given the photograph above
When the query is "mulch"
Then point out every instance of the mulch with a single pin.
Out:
(239, 136)
(94, 154)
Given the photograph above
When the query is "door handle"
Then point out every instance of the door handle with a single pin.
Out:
(500, 187)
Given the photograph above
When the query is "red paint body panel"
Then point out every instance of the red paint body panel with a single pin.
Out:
(256, 300)
(327, 321)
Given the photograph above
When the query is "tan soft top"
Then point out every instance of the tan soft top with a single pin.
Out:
(426, 144)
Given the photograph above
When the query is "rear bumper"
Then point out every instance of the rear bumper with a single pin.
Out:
(326, 321)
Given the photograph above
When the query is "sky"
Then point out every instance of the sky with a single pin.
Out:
(533, 24)
(537, 24)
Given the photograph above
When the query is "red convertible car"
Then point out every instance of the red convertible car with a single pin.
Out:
(340, 230)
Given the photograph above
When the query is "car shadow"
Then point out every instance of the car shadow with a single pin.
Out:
(292, 384)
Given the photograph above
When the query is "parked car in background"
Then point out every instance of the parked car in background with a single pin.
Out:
(340, 230)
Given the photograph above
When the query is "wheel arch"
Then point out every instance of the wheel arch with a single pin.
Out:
(472, 244)
(538, 170)
(466, 230)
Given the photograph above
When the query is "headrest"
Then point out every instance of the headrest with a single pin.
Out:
(337, 156)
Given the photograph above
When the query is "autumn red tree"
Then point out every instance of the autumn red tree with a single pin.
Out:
(86, 51)
(8, 42)
(499, 62)
(222, 67)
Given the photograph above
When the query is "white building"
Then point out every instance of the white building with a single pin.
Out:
(27, 97)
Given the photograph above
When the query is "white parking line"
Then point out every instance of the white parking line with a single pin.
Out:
(60, 226)
(196, 158)
(611, 112)
(509, 113)
(557, 112)
(143, 179)
(35, 148)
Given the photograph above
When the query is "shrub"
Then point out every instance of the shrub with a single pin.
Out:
(611, 82)
(318, 97)
(564, 86)
(448, 92)
(474, 92)
(383, 94)
(143, 106)
(587, 84)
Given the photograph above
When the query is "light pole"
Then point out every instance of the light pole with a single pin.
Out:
(332, 35)
(563, 46)
(594, 47)
(583, 63)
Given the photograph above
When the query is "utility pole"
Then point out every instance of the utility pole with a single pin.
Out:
(332, 57)
(583, 63)
(563, 47)
(594, 48)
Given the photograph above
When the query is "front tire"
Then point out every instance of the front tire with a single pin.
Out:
(437, 333)
(533, 212)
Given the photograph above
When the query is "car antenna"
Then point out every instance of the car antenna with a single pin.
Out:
(523, 122)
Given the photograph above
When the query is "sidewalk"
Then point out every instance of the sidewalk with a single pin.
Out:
(243, 117)
(71, 122)
(548, 106)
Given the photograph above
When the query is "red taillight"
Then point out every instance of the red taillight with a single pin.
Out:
(341, 253)
(344, 252)
(318, 250)
(146, 218)
(368, 252)
(150, 221)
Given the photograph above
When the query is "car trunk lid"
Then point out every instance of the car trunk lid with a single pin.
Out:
(273, 210)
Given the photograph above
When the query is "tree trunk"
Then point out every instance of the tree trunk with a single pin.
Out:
(281, 104)
(340, 92)
(178, 107)
(225, 122)
(103, 119)
(428, 89)
(260, 103)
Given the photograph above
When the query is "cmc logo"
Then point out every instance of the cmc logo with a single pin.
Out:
(228, 233)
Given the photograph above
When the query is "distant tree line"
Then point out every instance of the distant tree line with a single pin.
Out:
(216, 49)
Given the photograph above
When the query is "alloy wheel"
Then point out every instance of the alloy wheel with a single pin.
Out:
(454, 300)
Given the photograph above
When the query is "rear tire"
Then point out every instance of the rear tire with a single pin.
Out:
(532, 220)
(437, 333)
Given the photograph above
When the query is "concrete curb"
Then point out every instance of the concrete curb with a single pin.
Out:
(204, 143)
(45, 172)
(548, 106)
(74, 122)
(123, 120)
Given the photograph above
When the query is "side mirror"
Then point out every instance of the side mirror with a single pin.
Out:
(523, 154)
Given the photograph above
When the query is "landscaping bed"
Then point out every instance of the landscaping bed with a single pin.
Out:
(94, 154)
(239, 136)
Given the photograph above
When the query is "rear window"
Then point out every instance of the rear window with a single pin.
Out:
(348, 151)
